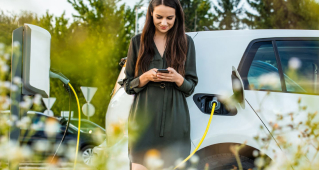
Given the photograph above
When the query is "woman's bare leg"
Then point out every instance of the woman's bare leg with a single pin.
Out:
(136, 166)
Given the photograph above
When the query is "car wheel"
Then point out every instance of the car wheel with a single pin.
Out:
(225, 162)
(87, 154)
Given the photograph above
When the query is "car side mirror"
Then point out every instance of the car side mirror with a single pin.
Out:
(238, 88)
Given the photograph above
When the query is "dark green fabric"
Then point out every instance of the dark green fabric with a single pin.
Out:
(159, 117)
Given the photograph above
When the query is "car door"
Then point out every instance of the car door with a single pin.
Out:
(34, 135)
(280, 79)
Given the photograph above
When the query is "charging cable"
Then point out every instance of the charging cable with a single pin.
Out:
(62, 121)
(66, 81)
(78, 139)
(214, 103)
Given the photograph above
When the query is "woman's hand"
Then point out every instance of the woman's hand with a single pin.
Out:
(150, 75)
(172, 76)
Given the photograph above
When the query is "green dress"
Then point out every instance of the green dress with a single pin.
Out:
(159, 117)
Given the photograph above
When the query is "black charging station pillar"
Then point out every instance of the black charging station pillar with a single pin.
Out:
(16, 71)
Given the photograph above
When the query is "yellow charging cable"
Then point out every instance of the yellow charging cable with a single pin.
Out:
(78, 139)
(201, 141)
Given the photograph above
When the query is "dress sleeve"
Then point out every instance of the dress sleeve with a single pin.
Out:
(190, 79)
(131, 83)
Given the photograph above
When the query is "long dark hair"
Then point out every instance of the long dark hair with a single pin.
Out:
(176, 40)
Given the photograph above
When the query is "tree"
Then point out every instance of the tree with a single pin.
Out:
(304, 15)
(228, 12)
(7, 25)
(89, 50)
(197, 15)
(86, 50)
(283, 14)
(11, 21)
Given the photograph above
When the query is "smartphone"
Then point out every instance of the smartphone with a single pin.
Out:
(162, 71)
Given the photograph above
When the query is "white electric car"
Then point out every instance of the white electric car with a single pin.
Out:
(275, 68)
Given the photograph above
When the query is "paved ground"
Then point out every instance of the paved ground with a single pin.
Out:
(45, 166)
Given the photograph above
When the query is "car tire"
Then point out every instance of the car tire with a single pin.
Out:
(225, 162)
(87, 154)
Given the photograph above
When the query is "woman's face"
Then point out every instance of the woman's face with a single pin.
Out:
(164, 18)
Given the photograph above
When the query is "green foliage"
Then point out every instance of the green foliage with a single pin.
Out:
(86, 50)
(283, 14)
(199, 12)
(228, 12)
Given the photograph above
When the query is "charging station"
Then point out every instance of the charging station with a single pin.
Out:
(31, 62)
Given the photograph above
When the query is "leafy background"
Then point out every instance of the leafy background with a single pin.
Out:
(88, 48)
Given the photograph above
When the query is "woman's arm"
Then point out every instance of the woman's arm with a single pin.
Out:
(190, 81)
(143, 80)
(132, 85)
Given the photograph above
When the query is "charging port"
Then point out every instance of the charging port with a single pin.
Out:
(205, 103)
(217, 106)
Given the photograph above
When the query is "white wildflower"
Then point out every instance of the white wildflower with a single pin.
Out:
(51, 127)
(12, 150)
(6, 56)
(237, 85)
(16, 44)
(5, 68)
(269, 79)
(61, 149)
(153, 160)
(294, 63)
(3, 139)
(14, 88)
(70, 152)
(17, 80)
(26, 104)
(9, 122)
(26, 152)
(24, 123)
(191, 169)
(14, 118)
(37, 126)
(178, 161)
(259, 162)
(27, 98)
(6, 103)
(6, 84)
(154, 163)
(194, 159)
(41, 145)
(255, 153)
(37, 99)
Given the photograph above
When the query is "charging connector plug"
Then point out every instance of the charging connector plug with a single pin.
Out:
(216, 102)
(60, 76)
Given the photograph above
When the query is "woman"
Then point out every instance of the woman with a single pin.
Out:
(159, 117)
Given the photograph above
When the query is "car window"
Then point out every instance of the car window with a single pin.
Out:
(299, 60)
(263, 72)
(33, 122)
(39, 122)
(86, 127)
(71, 129)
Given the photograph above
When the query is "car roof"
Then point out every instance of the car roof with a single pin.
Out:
(85, 120)
(259, 33)
(218, 51)
(29, 113)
